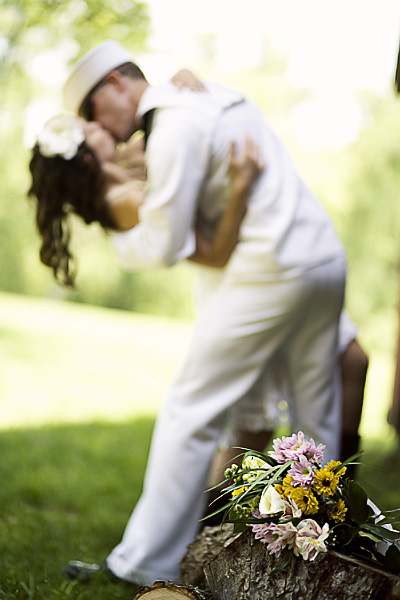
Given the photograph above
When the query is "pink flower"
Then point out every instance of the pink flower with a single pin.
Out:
(291, 448)
(292, 510)
(276, 535)
(301, 472)
(288, 448)
(310, 539)
(314, 453)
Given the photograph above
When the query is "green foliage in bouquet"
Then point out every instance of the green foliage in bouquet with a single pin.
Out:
(291, 499)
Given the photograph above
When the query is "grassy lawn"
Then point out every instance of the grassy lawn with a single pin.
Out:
(67, 493)
(80, 387)
(73, 363)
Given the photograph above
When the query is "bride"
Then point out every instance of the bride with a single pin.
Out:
(76, 167)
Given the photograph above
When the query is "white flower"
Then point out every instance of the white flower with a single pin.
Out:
(252, 462)
(310, 539)
(60, 136)
(271, 502)
(292, 509)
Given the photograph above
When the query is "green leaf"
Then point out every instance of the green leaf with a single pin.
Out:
(225, 507)
(239, 527)
(257, 486)
(369, 535)
(392, 559)
(265, 457)
(348, 461)
(357, 499)
(348, 534)
(214, 487)
(390, 516)
(382, 532)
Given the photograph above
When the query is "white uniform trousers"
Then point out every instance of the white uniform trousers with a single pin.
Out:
(237, 334)
(268, 404)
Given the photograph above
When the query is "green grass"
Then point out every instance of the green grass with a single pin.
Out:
(66, 493)
(80, 387)
(72, 363)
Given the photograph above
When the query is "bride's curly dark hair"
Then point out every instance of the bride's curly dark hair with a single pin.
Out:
(62, 187)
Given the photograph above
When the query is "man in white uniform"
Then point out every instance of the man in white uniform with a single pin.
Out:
(282, 289)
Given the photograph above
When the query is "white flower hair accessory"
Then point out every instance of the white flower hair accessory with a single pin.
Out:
(60, 136)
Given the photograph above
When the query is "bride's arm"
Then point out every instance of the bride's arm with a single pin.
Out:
(186, 79)
(244, 169)
(124, 206)
(124, 202)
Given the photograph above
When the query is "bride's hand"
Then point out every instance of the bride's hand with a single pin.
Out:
(186, 79)
(245, 166)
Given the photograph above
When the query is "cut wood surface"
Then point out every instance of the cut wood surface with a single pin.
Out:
(166, 590)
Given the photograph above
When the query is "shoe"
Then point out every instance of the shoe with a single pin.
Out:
(85, 572)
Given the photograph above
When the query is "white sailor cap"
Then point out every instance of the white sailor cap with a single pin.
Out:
(91, 69)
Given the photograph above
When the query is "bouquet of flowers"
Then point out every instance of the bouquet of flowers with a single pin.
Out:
(291, 499)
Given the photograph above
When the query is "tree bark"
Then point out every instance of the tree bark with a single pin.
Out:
(207, 545)
(242, 571)
(166, 590)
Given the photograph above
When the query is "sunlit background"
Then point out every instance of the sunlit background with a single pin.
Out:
(83, 372)
(323, 75)
(330, 51)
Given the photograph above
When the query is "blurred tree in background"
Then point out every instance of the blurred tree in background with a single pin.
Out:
(36, 37)
(370, 227)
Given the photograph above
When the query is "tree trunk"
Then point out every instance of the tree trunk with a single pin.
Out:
(238, 567)
(394, 412)
(242, 571)
(207, 545)
(161, 590)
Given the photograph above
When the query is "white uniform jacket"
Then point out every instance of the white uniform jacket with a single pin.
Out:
(187, 155)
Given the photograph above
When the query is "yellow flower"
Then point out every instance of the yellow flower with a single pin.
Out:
(286, 488)
(325, 482)
(239, 491)
(334, 463)
(337, 513)
(305, 500)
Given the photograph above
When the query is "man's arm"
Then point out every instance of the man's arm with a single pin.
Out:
(177, 159)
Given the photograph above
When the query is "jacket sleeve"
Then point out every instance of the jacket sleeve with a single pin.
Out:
(177, 158)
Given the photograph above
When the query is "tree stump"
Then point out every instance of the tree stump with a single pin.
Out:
(207, 545)
(242, 571)
(166, 590)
